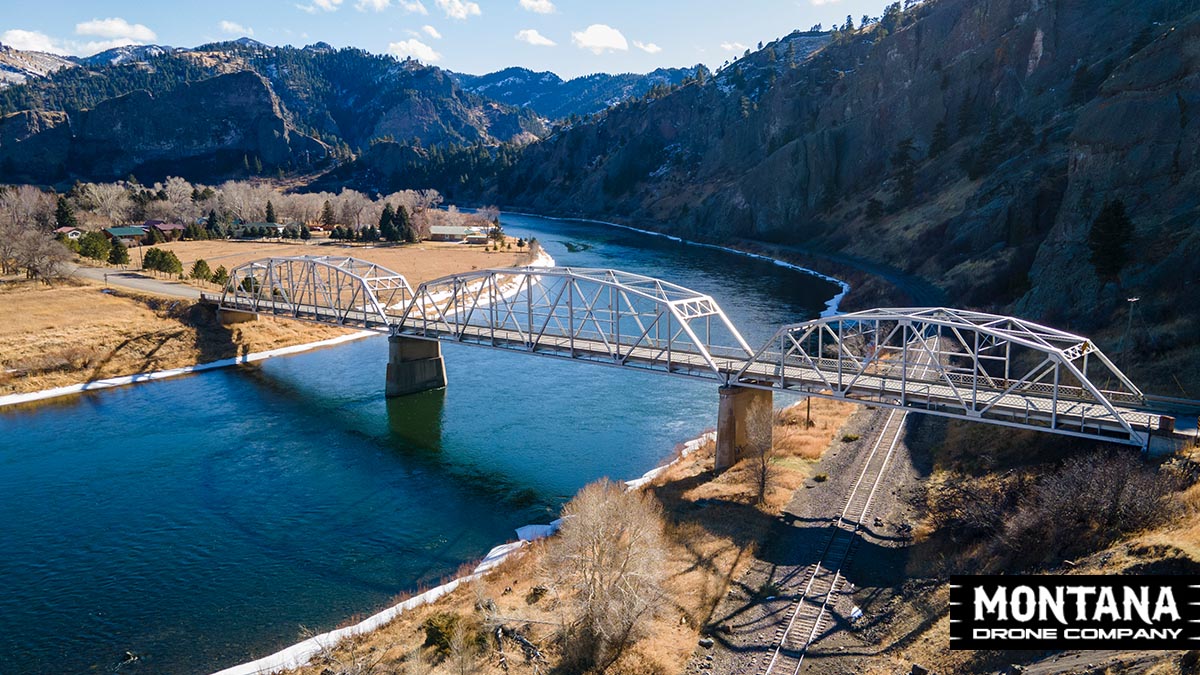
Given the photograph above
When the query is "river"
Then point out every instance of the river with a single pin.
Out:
(207, 520)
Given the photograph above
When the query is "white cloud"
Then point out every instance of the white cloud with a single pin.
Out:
(326, 5)
(824, 2)
(373, 5)
(538, 6)
(533, 37)
(414, 48)
(233, 28)
(733, 47)
(431, 32)
(648, 47)
(31, 40)
(599, 37)
(116, 29)
(458, 9)
(414, 7)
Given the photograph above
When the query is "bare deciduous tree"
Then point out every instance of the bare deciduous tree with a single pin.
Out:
(41, 256)
(27, 207)
(109, 200)
(760, 450)
(607, 565)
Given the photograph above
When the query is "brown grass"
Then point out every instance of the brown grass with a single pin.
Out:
(417, 262)
(713, 529)
(56, 336)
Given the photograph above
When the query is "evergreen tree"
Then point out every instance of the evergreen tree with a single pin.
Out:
(387, 224)
(171, 263)
(95, 245)
(1109, 239)
(220, 276)
(328, 219)
(257, 165)
(152, 260)
(271, 218)
(940, 141)
(905, 168)
(118, 254)
(200, 270)
(305, 233)
(64, 215)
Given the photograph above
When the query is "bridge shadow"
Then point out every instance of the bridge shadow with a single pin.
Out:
(763, 599)
(417, 419)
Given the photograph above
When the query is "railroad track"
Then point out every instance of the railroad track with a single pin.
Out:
(810, 615)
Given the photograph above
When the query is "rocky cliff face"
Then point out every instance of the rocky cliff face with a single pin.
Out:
(1024, 116)
(207, 128)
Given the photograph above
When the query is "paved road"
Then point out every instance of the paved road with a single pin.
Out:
(137, 282)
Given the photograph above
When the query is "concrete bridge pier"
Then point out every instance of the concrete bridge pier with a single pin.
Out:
(414, 366)
(745, 422)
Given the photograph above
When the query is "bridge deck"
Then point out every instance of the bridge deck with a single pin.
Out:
(1074, 412)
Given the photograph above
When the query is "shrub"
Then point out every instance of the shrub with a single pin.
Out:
(850, 438)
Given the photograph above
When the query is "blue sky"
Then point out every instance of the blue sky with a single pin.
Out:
(569, 37)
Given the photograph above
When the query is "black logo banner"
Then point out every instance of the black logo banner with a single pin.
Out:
(1074, 612)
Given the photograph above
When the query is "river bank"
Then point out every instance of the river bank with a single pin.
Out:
(250, 502)
(831, 306)
(713, 525)
(60, 341)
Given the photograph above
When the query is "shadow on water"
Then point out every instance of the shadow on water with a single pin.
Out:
(417, 419)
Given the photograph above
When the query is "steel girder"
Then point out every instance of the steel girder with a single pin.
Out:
(601, 315)
(327, 289)
(957, 363)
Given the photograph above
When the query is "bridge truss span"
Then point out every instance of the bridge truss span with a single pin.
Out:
(957, 363)
(600, 315)
(325, 289)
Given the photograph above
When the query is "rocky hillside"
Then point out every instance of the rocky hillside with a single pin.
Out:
(971, 142)
(342, 99)
(17, 66)
(554, 98)
(214, 127)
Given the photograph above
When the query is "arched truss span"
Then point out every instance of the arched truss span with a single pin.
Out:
(957, 363)
(600, 315)
(968, 365)
(329, 289)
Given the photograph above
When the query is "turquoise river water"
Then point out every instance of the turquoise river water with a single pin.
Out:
(207, 520)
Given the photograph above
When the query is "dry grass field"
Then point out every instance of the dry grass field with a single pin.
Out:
(713, 528)
(417, 262)
(52, 336)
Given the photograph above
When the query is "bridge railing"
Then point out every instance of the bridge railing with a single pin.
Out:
(605, 315)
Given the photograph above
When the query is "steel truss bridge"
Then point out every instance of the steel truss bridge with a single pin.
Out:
(954, 363)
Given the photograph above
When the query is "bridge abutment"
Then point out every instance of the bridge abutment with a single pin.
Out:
(414, 366)
(229, 317)
(745, 421)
